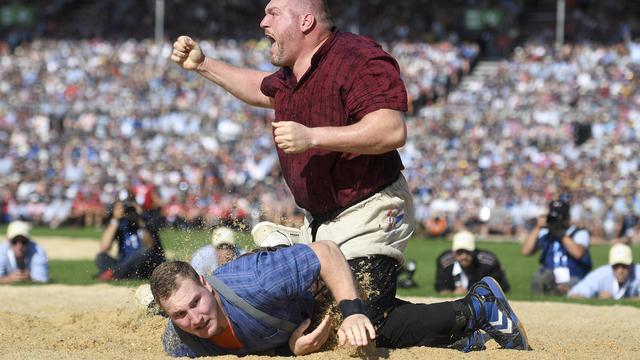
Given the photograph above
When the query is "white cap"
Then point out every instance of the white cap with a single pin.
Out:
(620, 254)
(223, 235)
(18, 228)
(464, 240)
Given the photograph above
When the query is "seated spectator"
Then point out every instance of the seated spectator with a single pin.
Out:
(565, 257)
(138, 252)
(464, 265)
(21, 259)
(619, 279)
(222, 250)
(436, 226)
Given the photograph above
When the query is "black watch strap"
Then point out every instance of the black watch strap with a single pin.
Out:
(350, 307)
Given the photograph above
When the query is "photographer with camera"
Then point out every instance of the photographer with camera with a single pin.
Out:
(138, 252)
(564, 258)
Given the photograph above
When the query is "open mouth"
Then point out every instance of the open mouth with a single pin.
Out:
(271, 39)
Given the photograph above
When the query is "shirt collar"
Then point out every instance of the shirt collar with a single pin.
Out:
(324, 49)
(287, 72)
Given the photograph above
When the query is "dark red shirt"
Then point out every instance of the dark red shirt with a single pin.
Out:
(350, 76)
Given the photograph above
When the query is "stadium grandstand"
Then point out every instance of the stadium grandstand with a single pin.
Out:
(505, 114)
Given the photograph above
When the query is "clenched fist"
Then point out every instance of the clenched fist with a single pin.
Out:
(187, 53)
(292, 137)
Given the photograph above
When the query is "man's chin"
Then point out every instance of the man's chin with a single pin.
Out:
(204, 332)
(275, 61)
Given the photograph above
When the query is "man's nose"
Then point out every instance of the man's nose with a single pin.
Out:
(194, 316)
(263, 23)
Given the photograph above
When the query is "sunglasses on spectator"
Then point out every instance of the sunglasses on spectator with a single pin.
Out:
(463, 252)
(19, 239)
(618, 266)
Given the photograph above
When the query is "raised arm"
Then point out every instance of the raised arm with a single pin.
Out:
(335, 272)
(376, 133)
(240, 82)
(574, 249)
(108, 236)
(110, 232)
(529, 245)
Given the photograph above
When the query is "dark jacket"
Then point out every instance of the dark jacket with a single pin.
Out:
(485, 263)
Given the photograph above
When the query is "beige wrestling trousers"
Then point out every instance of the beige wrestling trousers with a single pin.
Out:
(379, 225)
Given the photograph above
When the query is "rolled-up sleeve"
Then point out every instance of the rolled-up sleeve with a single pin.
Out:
(377, 86)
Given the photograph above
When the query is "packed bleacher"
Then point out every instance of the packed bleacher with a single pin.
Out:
(84, 120)
(540, 127)
(81, 120)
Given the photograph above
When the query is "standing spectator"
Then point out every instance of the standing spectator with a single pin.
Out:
(223, 249)
(619, 279)
(464, 265)
(21, 259)
(146, 196)
(565, 257)
(138, 253)
(629, 228)
(338, 155)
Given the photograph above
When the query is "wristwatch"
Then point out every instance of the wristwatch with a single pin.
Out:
(351, 307)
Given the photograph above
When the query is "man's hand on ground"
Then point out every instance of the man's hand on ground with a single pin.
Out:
(354, 329)
(19, 275)
(305, 344)
(460, 291)
(605, 295)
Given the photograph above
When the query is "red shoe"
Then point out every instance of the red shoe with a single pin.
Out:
(106, 275)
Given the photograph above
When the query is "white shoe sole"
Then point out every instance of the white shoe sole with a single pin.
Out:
(268, 234)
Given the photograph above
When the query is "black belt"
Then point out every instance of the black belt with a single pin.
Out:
(321, 218)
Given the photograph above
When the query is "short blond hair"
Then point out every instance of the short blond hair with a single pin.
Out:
(319, 9)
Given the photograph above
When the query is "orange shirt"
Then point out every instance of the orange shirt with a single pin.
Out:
(436, 227)
(227, 339)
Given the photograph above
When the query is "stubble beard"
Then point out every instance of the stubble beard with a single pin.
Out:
(278, 59)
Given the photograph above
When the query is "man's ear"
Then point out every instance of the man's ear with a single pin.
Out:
(205, 283)
(307, 23)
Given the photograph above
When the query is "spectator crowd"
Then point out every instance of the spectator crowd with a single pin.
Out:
(504, 145)
(81, 121)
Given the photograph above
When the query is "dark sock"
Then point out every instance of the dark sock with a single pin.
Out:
(462, 316)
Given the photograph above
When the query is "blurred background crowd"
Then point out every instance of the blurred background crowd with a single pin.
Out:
(536, 128)
(90, 107)
(83, 120)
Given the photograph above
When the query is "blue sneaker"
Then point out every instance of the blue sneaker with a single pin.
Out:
(491, 312)
(473, 342)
